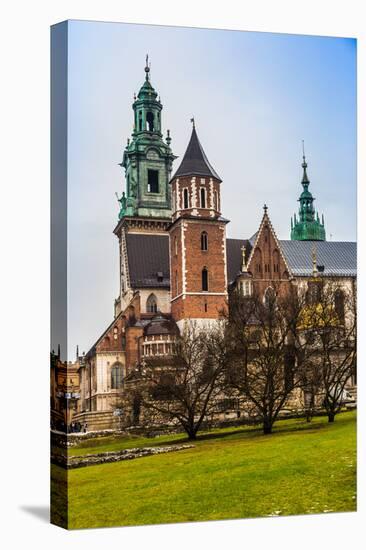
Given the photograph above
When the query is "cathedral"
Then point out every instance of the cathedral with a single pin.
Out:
(176, 262)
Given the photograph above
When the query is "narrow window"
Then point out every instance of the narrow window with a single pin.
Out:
(153, 181)
(176, 283)
(152, 304)
(203, 197)
(204, 279)
(339, 304)
(204, 241)
(205, 307)
(116, 376)
(140, 121)
(150, 121)
(176, 246)
(185, 198)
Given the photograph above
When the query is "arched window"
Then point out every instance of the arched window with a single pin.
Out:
(203, 197)
(152, 304)
(339, 304)
(185, 198)
(269, 297)
(116, 376)
(205, 279)
(150, 121)
(204, 241)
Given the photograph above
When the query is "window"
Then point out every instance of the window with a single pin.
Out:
(245, 288)
(176, 246)
(152, 304)
(203, 197)
(150, 121)
(153, 181)
(116, 375)
(176, 283)
(205, 307)
(140, 121)
(185, 198)
(339, 304)
(115, 333)
(204, 241)
(204, 279)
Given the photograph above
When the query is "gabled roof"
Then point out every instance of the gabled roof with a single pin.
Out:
(339, 258)
(148, 260)
(195, 162)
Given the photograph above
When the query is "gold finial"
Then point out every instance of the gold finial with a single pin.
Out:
(243, 263)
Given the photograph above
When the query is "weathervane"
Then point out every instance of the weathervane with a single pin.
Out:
(147, 67)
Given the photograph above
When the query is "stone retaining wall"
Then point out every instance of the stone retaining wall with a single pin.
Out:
(113, 456)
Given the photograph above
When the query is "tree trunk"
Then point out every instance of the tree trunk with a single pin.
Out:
(331, 416)
(267, 426)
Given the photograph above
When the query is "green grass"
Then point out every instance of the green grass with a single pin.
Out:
(233, 473)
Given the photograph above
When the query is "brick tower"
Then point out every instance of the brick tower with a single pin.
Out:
(197, 240)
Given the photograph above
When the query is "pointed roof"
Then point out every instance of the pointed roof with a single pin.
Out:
(195, 162)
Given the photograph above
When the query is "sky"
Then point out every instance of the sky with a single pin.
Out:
(254, 98)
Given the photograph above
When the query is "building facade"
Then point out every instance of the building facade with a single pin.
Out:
(177, 264)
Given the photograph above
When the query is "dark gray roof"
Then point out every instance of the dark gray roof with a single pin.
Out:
(161, 325)
(233, 256)
(148, 258)
(195, 162)
(338, 258)
(148, 255)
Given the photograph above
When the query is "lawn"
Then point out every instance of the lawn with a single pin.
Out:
(233, 473)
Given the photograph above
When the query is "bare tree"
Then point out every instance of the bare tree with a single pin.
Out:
(265, 349)
(186, 390)
(330, 318)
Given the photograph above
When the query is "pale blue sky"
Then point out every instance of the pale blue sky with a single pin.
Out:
(254, 97)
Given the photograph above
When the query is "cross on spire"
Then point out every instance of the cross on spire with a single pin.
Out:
(265, 208)
(193, 123)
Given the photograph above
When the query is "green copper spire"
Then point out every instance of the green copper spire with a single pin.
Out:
(147, 159)
(308, 226)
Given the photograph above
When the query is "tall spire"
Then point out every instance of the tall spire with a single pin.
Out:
(308, 226)
(305, 180)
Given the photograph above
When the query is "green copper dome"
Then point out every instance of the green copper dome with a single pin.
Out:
(308, 226)
(147, 159)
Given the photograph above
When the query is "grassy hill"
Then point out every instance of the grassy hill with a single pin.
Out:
(233, 473)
